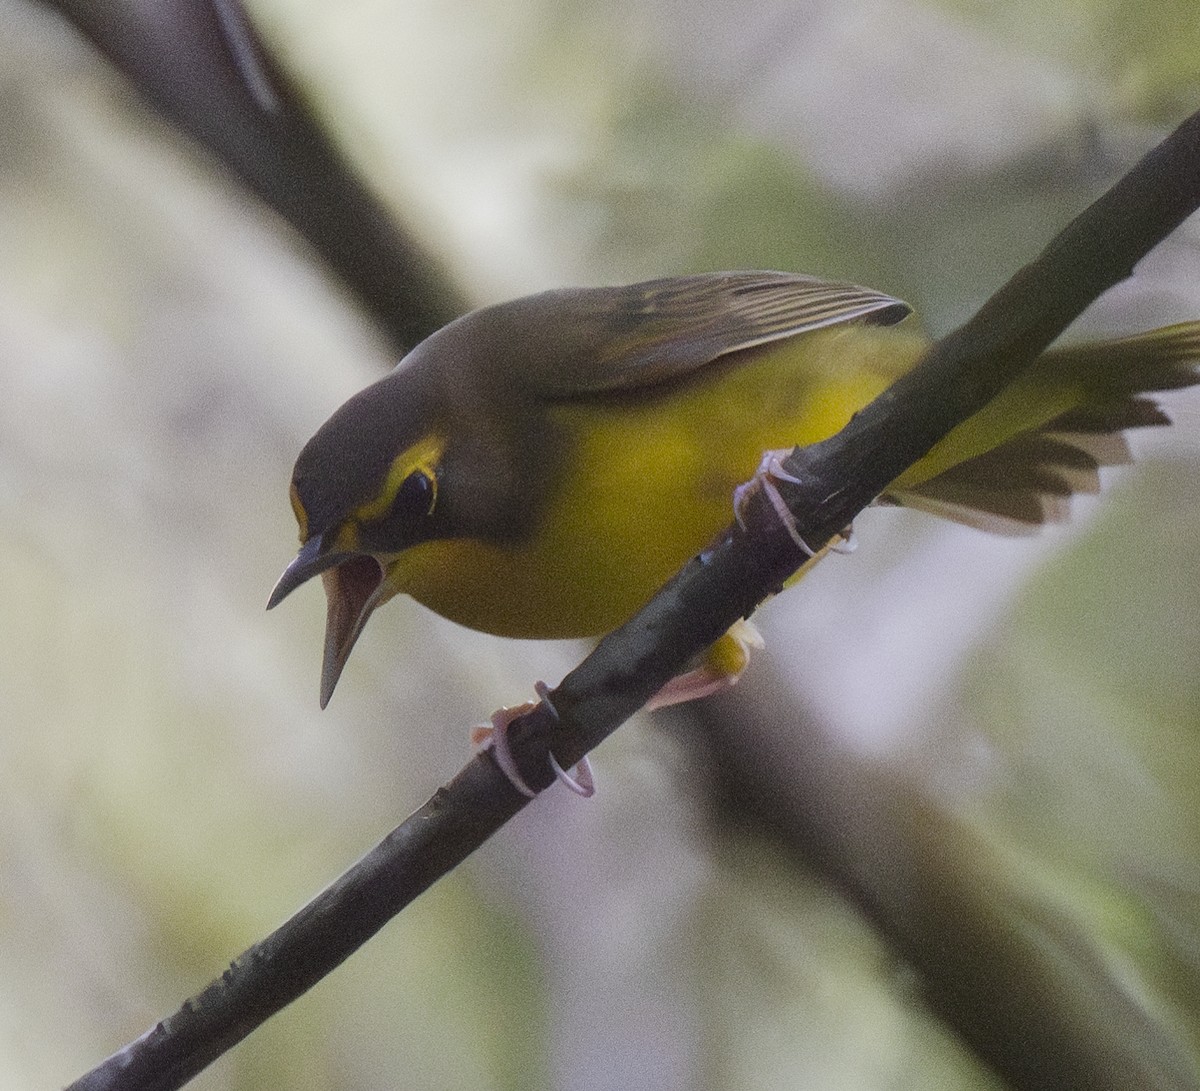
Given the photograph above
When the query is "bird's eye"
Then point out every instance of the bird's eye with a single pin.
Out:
(412, 502)
(414, 498)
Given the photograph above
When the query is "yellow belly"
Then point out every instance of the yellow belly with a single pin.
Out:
(649, 483)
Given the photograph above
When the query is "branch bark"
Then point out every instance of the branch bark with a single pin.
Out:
(837, 479)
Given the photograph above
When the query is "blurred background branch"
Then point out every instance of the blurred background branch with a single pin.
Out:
(1002, 968)
(203, 66)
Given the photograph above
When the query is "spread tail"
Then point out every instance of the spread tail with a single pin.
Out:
(1016, 463)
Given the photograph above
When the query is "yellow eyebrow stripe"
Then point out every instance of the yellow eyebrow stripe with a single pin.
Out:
(299, 512)
(424, 455)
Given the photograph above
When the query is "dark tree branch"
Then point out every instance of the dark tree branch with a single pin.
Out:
(200, 63)
(271, 974)
(839, 477)
(1016, 977)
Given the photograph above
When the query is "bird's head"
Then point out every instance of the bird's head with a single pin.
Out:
(365, 489)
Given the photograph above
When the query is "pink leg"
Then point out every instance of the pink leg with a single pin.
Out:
(720, 670)
(770, 470)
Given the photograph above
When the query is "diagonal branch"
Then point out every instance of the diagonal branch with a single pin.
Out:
(201, 65)
(838, 478)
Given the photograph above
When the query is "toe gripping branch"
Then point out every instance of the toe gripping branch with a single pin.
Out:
(495, 736)
(767, 478)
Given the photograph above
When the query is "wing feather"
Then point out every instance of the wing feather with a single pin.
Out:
(644, 334)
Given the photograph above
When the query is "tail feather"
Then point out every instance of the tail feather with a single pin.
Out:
(1110, 417)
(1162, 359)
(1048, 435)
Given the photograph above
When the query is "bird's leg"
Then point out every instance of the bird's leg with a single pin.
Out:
(724, 662)
(719, 670)
(495, 736)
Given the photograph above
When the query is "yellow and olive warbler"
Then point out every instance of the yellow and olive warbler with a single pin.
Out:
(539, 468)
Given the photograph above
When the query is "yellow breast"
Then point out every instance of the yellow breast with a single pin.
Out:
(648, 482)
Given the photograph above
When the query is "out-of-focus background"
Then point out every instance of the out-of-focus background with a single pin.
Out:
(947, 832)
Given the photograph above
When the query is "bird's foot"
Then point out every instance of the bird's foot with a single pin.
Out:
(495, 735)
(718, 671)
(770, 471)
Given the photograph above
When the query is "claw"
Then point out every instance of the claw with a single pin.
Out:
(770, 470)
(495, 736)
(582, 783)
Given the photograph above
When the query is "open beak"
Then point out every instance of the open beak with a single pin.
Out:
(307, 563)
(353, 588)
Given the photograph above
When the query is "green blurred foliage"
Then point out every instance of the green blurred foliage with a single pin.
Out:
(668, 186)
(1140, 55)
(1091, 690)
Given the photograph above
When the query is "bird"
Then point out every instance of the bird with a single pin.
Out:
(538, 468)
